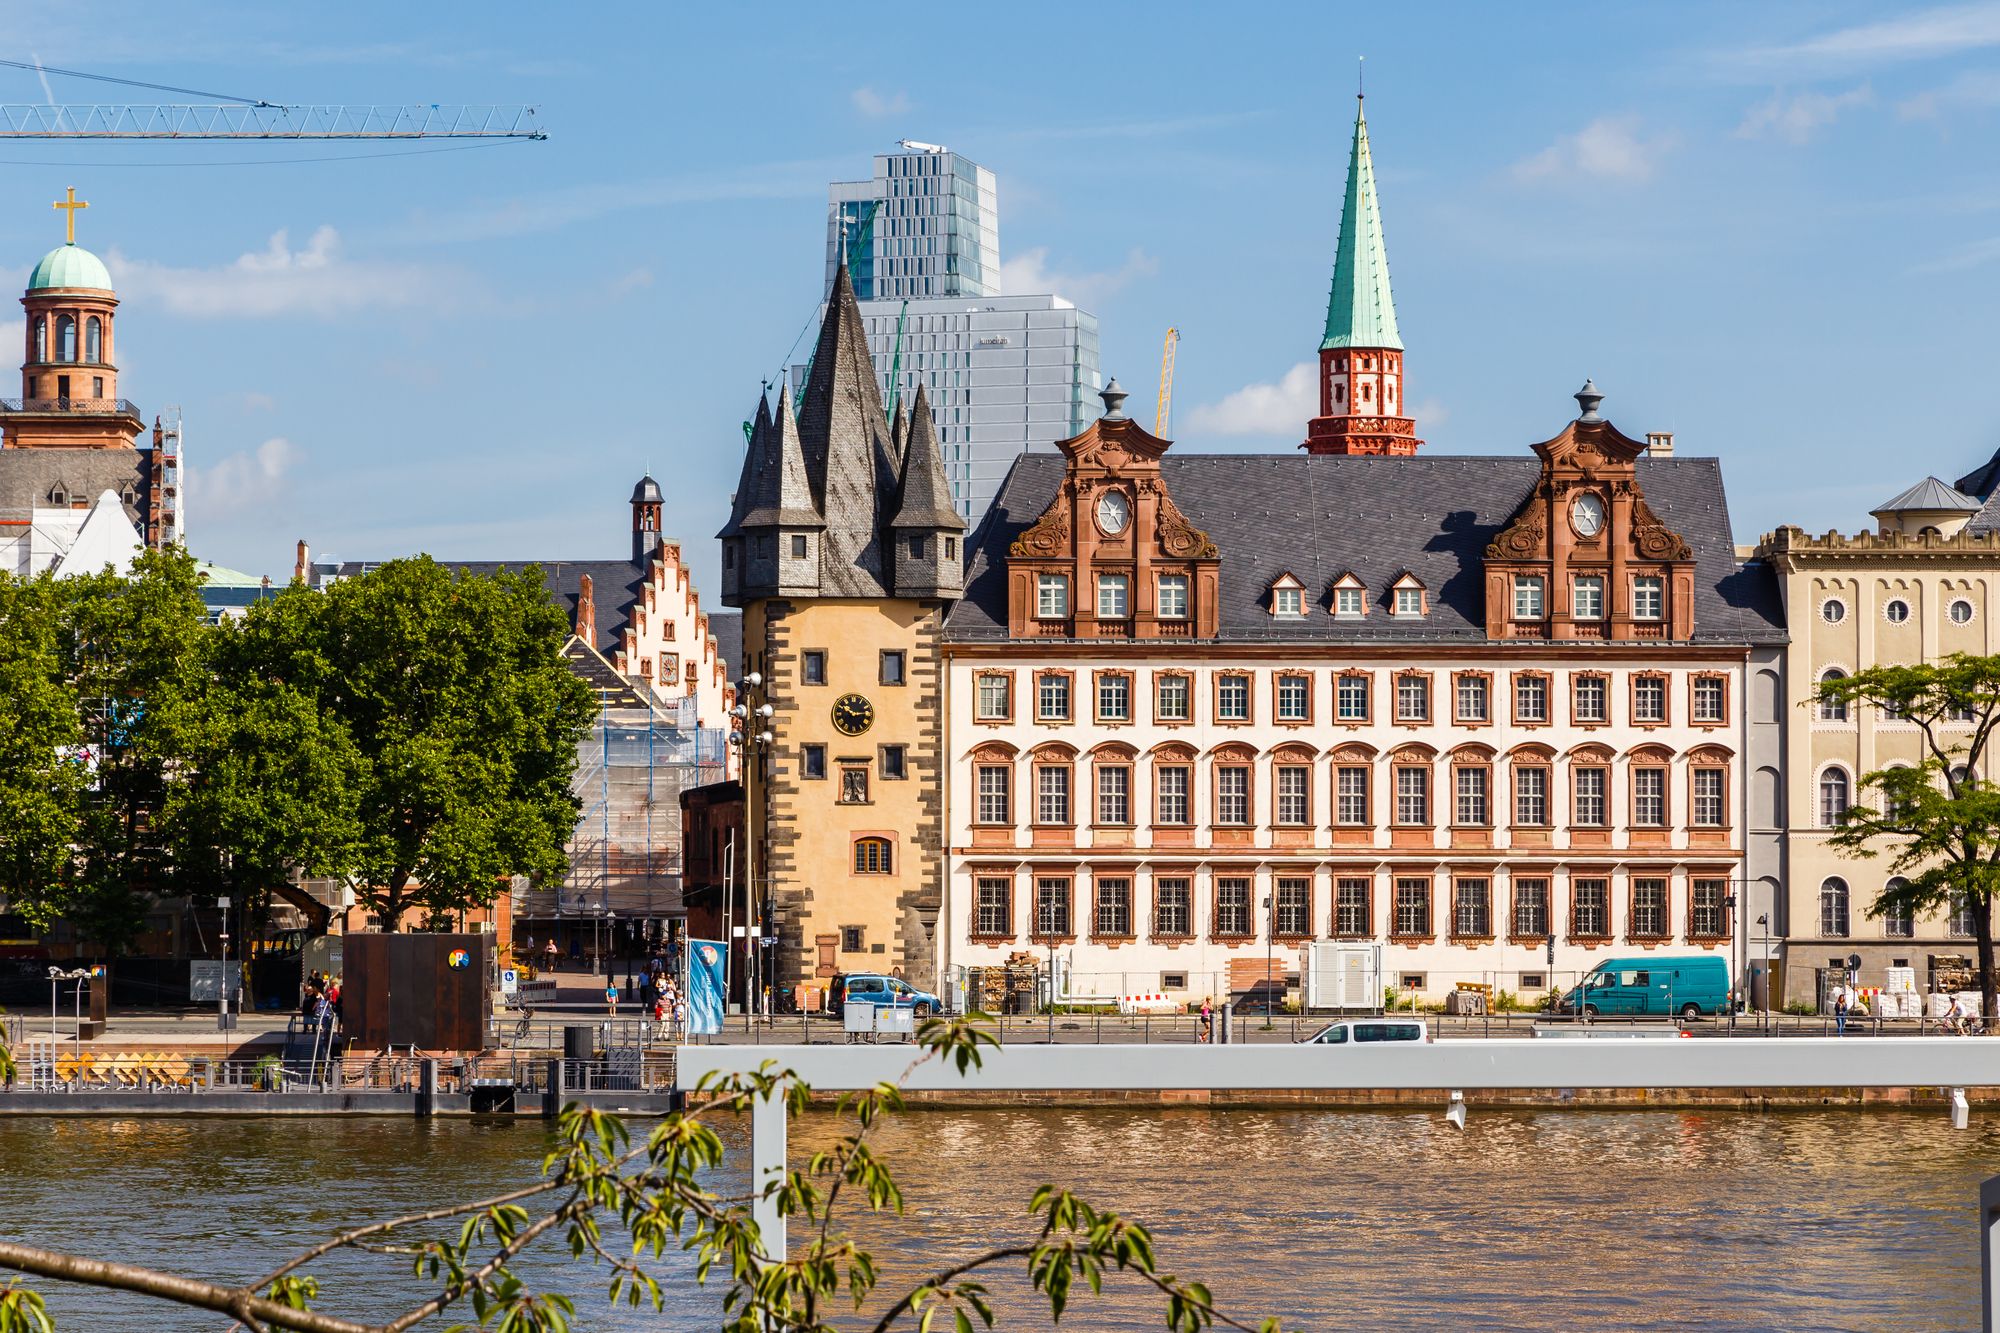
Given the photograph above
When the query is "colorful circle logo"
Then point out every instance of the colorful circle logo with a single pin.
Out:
(458, 960)
(708, 954)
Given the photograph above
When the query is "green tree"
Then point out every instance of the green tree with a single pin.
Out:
(465, 719)
(620, 1205)
(43, 771)
(1937, 819)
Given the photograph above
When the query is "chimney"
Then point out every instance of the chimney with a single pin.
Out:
(1659, 444)
(586, 613)
(302, 567)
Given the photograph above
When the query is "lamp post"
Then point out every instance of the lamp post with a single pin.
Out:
(750, 732)
(1270, 943)
(223, 1019)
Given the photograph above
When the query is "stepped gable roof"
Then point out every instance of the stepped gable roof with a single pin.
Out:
(28, 475)
(1318, 516)
(924, 500)
(1929, 494)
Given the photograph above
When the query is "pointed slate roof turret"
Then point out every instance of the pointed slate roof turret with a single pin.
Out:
(753, 462)
(847, 447)
(924, 500)
(899, 432)
(1360, 311)
(789, 486)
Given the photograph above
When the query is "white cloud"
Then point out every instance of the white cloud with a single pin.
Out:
(278, 280)
(1971, 91)
(1919, 36)
(243, 479)
(1028, 274)
(876, 105)
(632, 280)
(1797, 118)
(1609, 148)
(1282, 408)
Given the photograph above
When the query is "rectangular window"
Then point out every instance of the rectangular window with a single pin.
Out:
(1527, 597)
(1473, 705)
(872, 856)
(1114, 794)
(1232, 907)
(1591, 704)
(994, 912)
(1649, 909)
(996, 794)
(1232, 794)
(1531, 908)
(1350, 906)
(852, 939)
(1472, 804)
(1052, 794)
(1051, 908)
(1409, 601)
(1531, 797)
(1294, 698)
(1349, 602)
(1051, 596)
(1114, 908)
(1472, 907)
(1114, 697)
(895, 763)
(1052, 698)
(1711, 699)
(1413, 907)
(1111, 597)
(854, 784)
(1413, 699)
(812, 667)
(1591, 918)
(1294, 794)
(1587, 601)
(1232, 698)
(1170, 698)
(1707, 910)
(1648, 597)
(1413, 796)
(1353, 699)
(1173, 907)
(892, 666)
(1173, 783)
(996, 698)
(1352, 791)
(1649, 797)
(812, 761)
(1288, 602)
(1531, 698)
(1590, 783)
(1649, 699)
(1899, 923)
(1173, 597)
(1710, 788)
(1294, 908)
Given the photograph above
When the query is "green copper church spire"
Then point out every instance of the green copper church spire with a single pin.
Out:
(1361, 312)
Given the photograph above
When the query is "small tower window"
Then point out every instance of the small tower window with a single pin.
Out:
(41, 352)
(93, 340)
(916, 548)
(798, 546)
(65, 338)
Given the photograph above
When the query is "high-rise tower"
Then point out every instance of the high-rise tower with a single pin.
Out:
(1361, 357)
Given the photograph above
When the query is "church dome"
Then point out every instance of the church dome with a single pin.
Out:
(647, 491)
(69, 266)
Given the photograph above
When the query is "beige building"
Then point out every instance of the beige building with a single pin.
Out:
(1917, 588)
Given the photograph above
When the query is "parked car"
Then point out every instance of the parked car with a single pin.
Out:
(879, 989)
(1360, 1030)
(1652, 985)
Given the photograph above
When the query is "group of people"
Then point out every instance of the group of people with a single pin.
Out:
(319, 1000)
(659, 999)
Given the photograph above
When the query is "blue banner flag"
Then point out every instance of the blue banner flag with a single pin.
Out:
(708, 982)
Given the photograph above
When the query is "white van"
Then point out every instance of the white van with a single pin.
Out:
(1357, 1030)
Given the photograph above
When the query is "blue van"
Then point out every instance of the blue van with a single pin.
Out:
(1652, 985)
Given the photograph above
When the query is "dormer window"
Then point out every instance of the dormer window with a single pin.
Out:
(1173, 597)
(1528, 601)
(1409, 598)
(58, 496)
(1288, 598)
(1051, 596)
(1113, 601)
(1350, 599)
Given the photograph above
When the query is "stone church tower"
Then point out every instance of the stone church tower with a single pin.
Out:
(844, 553)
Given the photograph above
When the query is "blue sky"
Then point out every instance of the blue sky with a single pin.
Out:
(1771, 228)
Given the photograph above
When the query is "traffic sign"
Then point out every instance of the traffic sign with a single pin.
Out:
(510, 981)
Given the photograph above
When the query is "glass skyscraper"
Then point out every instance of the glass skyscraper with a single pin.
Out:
(928, 224)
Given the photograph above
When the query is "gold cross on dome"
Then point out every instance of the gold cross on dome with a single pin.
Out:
(70, 207)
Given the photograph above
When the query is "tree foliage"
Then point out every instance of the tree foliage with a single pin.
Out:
(619, 1203)
(1938, 817)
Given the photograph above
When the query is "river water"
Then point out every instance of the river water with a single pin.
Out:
(1332, 1220)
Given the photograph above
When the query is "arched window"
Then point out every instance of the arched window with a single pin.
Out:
(93, 340)
(1834, 794)
(65, 338)
(872, 856)
(41, 352)
(1833, 908)
(1898, 921)
(1832, 710)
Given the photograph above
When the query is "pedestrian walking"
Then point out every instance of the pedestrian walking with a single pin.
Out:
(1207, 1029)
(550, 953)
(611, 997)
(680, 1018)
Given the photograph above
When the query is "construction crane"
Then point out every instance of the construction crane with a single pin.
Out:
(229, 117)
(1166, 409)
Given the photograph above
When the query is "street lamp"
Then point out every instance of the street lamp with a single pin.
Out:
(750, 732)
(1270, 943)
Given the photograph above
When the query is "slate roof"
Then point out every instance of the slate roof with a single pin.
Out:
(1319, 515)
(1988, 517)
(1930, 493)
(615, 587)
(26, 476)
(727, 629)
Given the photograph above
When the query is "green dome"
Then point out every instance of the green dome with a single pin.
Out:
(69, 266)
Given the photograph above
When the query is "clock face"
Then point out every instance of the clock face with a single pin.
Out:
(852, 714)
(1586, 514)
(1113, 509)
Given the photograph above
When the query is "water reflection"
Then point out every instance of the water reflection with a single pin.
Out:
(1614, 1220)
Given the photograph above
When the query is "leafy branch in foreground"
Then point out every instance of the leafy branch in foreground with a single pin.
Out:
(622, 1205)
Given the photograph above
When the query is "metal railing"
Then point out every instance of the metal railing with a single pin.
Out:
(124, 407)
